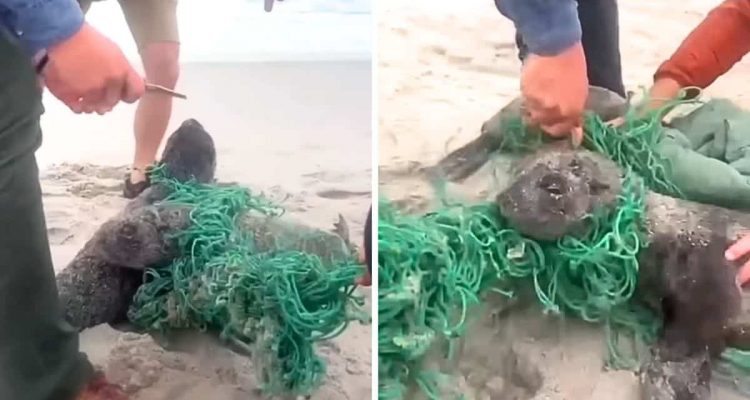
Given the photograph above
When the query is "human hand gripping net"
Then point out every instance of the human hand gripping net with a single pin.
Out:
(274, 304)
(434, 268)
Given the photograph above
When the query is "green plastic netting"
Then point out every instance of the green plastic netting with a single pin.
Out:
(433, 268)
(274, 304)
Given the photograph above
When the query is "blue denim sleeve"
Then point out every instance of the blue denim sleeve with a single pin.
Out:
(547, 26)
(39, 24)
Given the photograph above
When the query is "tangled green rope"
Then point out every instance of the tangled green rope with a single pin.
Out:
(273, 304)
(433, 268)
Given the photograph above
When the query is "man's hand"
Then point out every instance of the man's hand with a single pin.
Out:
(89, 73)
(737, 251)
(661, 92)
(554, 91)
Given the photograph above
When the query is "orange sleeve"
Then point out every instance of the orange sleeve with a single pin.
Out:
(712, 48)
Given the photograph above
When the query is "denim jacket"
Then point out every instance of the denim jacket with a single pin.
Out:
(547, 26)
(39, 24)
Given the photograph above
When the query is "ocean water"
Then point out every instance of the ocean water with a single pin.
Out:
(241, 31)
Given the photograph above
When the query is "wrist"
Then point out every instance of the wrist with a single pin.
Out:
(571, 51)
(548, 27)
(665, 88)
(66, 42)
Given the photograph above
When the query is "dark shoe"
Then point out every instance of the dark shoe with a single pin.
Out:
(132, 190)
(101, 389)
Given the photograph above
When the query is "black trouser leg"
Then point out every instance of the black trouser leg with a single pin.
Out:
(601, 43)
(39, 355)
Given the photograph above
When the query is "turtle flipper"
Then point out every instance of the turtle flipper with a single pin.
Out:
(465, 161)
(341, 229)
(676, 378)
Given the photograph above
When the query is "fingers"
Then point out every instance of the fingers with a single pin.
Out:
(555, 123)
(69, 97)
(576, 136)
(743, 275)
(135, 87)
(91, 101)
(103, 99)
(739, 249)
(617, 122)
(111, 97)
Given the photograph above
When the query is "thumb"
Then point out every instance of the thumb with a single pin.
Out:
(616, 123)
(135, 87)
(576, 136)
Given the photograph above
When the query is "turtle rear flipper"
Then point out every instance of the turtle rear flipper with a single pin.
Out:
(667, 377)
(341, 229)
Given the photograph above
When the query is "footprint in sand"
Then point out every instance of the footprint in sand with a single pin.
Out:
(82, 180)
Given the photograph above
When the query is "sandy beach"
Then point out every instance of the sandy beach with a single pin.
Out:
(445, 68)
(297, 131)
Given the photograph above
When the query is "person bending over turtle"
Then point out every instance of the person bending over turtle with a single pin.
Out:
(153, 24)
(709, 51)
(39, 352)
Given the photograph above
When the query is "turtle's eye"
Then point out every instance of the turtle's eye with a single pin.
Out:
(128, 229)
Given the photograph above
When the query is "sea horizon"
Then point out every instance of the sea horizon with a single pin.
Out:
(241, 31)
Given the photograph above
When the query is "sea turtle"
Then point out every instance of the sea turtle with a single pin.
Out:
(98, 285)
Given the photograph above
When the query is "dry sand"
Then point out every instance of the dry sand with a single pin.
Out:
(300, 132)
(444, 67)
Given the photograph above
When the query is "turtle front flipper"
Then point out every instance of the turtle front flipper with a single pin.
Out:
(465, 161)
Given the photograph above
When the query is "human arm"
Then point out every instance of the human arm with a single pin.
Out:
(40, 24)
(708, 52)
(86, 71)
(554, 83)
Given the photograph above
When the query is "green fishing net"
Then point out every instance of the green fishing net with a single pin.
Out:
(272, 303)
(433, 268)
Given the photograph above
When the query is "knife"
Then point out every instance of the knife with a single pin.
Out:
(151, 87)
